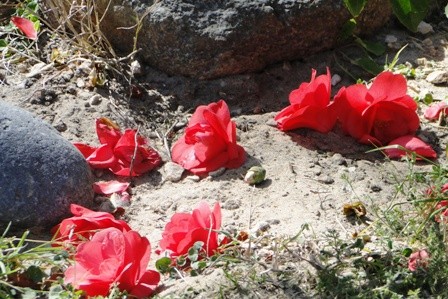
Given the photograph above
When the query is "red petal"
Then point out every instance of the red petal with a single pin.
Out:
(388, 85)
(411, 143)
(317, 118)
(102, 157)
(110, 187)
(108, 132)
(26, 26)
(86, 150)
(316, 92)
(146, 285)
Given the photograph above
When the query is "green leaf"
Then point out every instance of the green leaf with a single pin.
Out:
(3, 43)
(369, 65)
(348, 29)
(35, 273)
(446, 11)
(355, 6)
(394, 61)
(372, 47)
(407, 252)
(163, 265)
(410, 12)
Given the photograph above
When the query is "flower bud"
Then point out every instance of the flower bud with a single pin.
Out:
(255, 175)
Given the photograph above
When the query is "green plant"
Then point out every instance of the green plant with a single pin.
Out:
(409, 12)
(31, 268)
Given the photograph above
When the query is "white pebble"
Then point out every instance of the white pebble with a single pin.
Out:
(390, 39)
(424, 28)
(437, 77)
(173, 171)
(335, 79)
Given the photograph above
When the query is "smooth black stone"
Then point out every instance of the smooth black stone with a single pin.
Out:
(41, 172)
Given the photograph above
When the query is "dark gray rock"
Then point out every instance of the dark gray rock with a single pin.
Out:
(41, 172)
(215, 38)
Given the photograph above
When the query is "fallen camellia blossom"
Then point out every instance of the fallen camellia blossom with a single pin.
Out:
(185, 229)
(209, 142)
(378, 114)
(113, 257)
(410, 143)
(26, 26)
(84, 224)
(110, 187)
(442, 205)
(419, 259)
(310, 106)
(119, 152)
(442, 216)
(433, 111)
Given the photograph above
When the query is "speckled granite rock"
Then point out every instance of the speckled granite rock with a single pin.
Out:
(41, 172)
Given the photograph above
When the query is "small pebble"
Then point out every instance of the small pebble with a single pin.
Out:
(335, 79)
(437, 77)
(424, 28)
(421, 61)
(80, 83)
(136, 68)
(260, 228)
(173, 171)
(231, 204)
(326, 180)
(376, 188)
(67, 75)
(95, 100)
(84, 95)
(194, 178)
(390, 39)
(273, 221)
(59, 125)
(337, 159)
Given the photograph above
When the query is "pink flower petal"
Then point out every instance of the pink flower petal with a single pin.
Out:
(26, 26)
(411, 143)
(110, 187)
(433, 111)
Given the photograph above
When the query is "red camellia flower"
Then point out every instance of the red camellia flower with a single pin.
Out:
(310, 106)
(113, 257)
(209, 142)
(26, 26)
(433, 111)
(378, 114)
(119, 152)
(411, 143)
(419, 259)
(185, 229)
(442, 206)
(84, 224)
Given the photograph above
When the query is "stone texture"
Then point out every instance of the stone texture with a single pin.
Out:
(41, 172)
(215, 38)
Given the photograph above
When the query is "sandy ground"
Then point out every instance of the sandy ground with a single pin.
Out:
(310, 176)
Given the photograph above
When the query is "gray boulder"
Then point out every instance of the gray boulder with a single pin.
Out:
(215, 38)
(41, 172)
